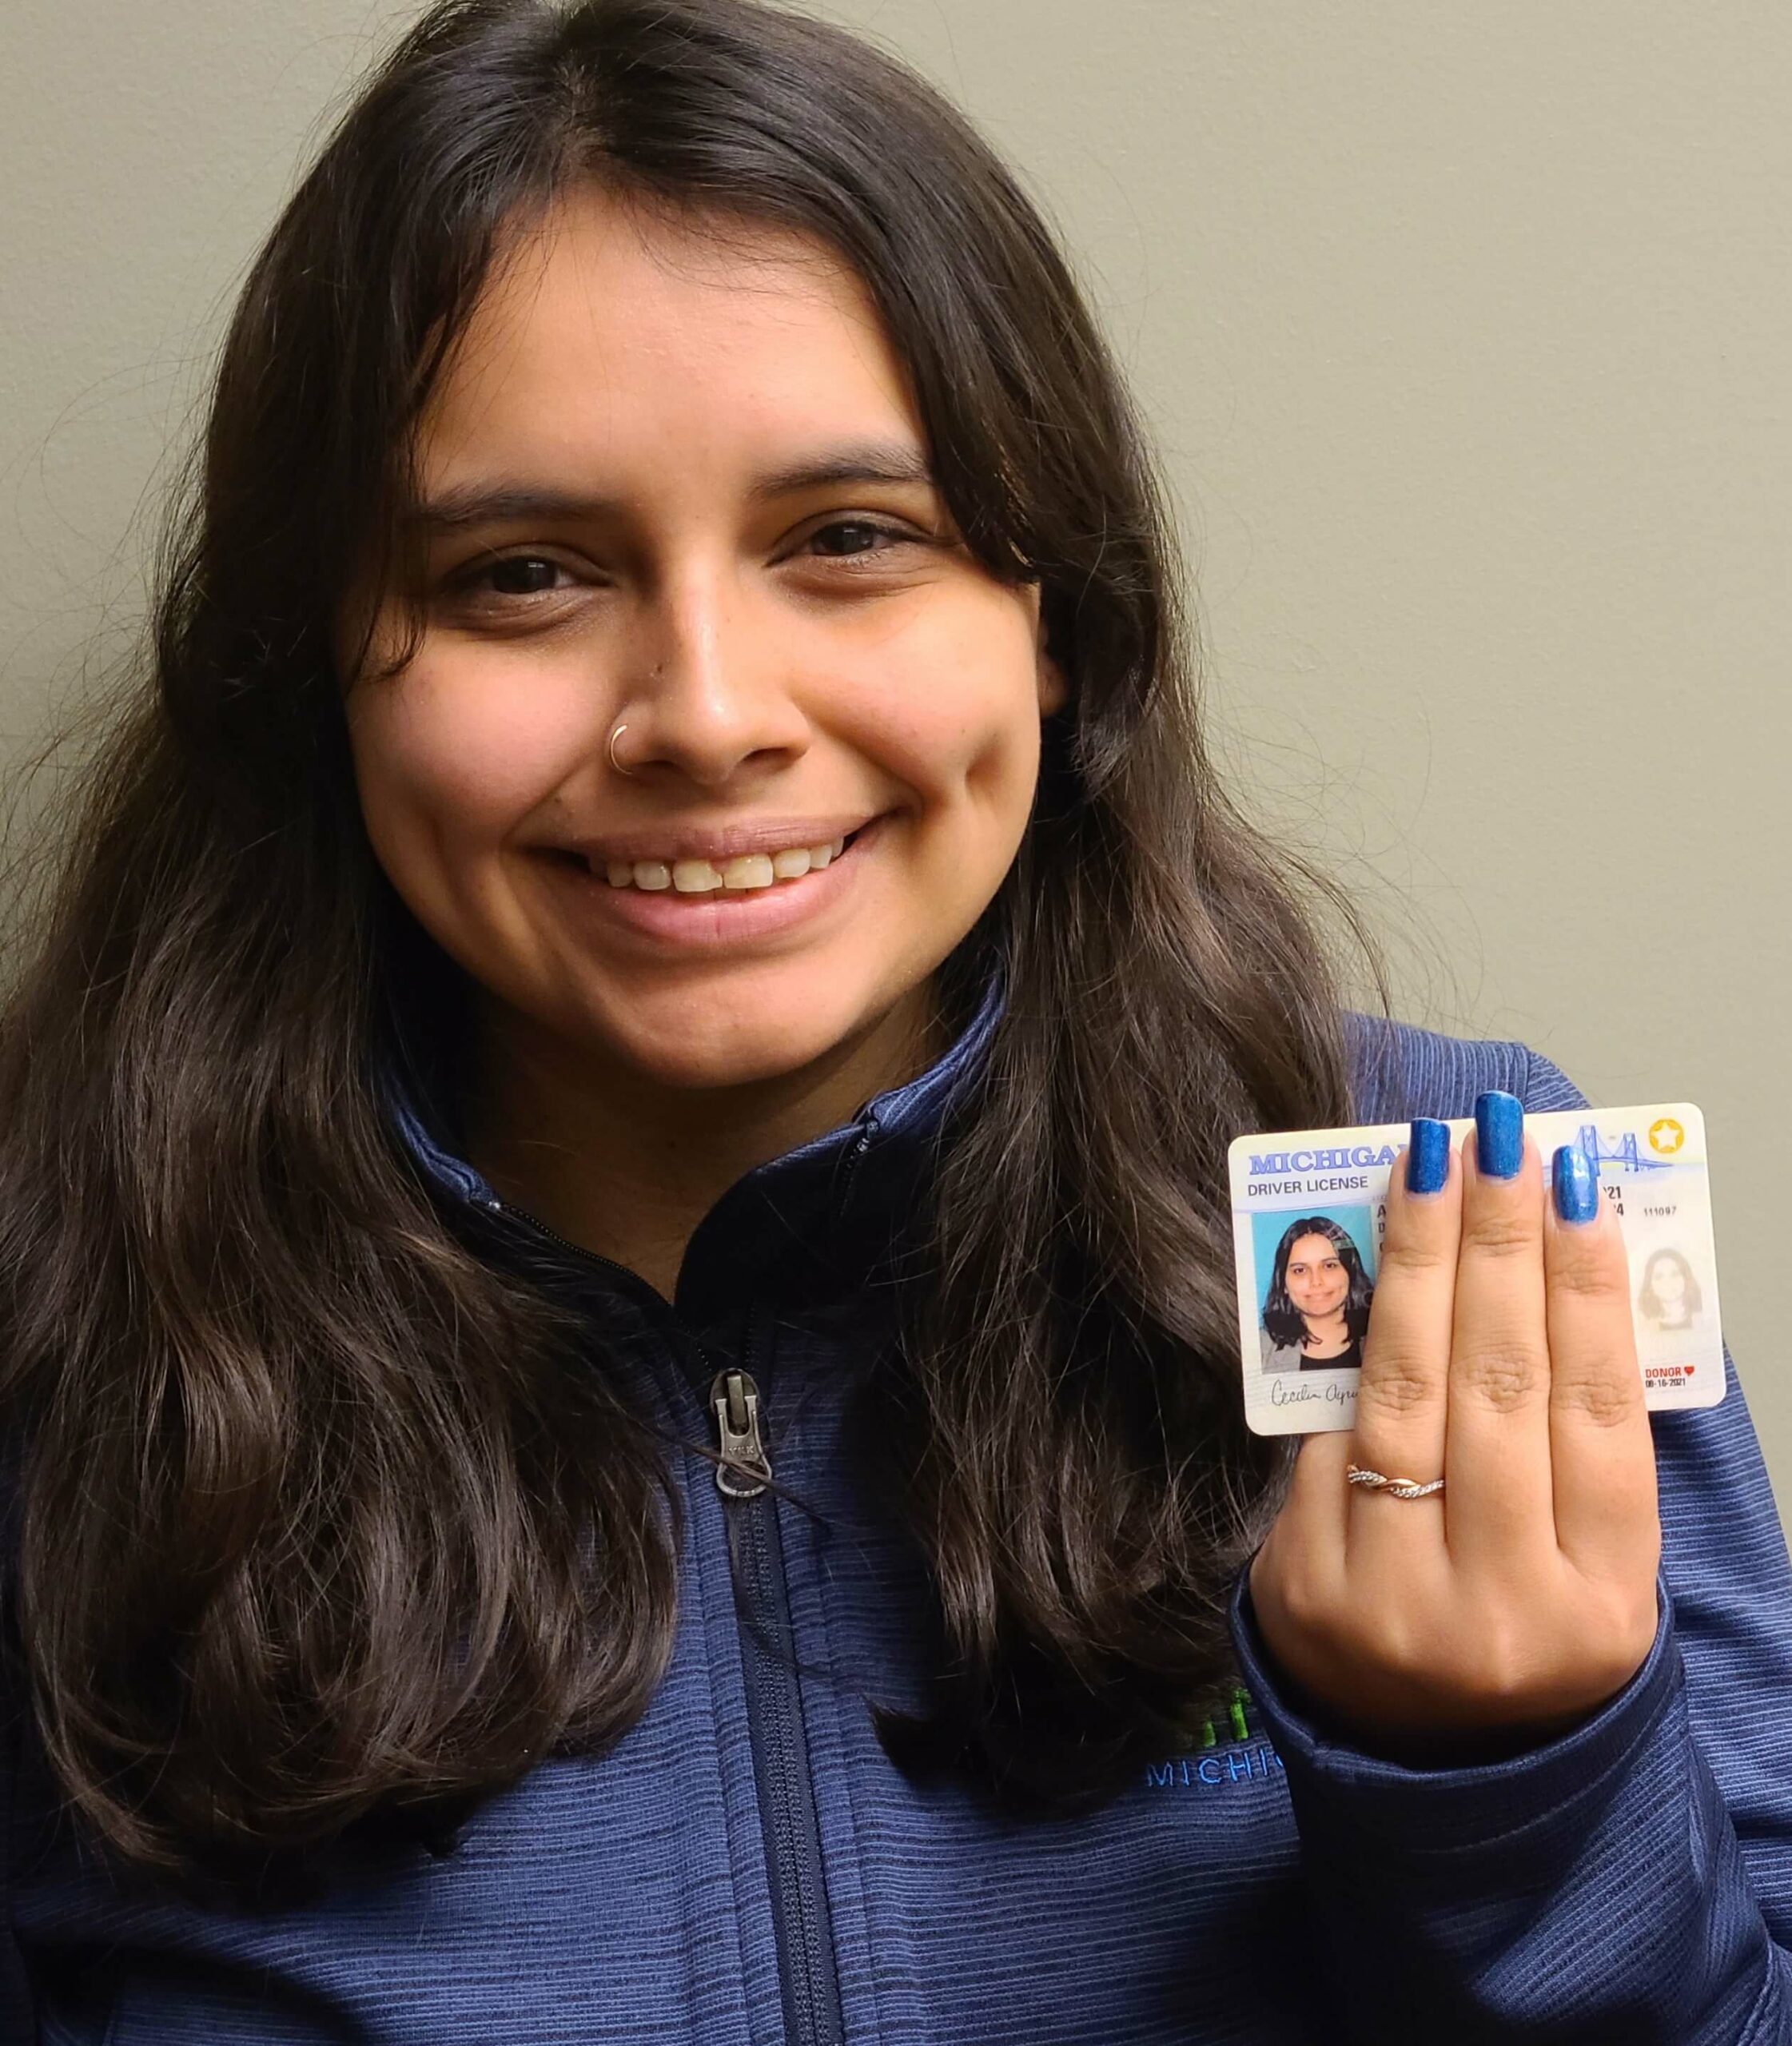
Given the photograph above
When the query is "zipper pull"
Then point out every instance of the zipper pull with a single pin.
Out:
(734, 1399)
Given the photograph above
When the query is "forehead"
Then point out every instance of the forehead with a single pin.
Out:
(1309, 1248)
(617, 334)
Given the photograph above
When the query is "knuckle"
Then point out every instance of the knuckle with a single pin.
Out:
(1299, 1613)
(1604, 1400)
(1501, 1670)
(1593, 1276)
(1503, 1376)
(1304, 1604)
(1649, 1559)
(1281, 1584)
(1501, 1232)
(1613, 1670)
(1641, 1612)
(1405, 1652)
(1293, 1597)
(1396, 1386)
(1417, 1260)
(1615, 1646)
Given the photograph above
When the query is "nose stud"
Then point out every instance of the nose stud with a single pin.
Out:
(614, 762)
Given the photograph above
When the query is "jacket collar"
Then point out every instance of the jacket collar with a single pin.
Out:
(807, 1227)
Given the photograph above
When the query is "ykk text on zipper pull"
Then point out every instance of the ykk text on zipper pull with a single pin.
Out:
(734, 1399)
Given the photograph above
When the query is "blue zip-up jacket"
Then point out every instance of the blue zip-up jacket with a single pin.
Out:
(747, 1866)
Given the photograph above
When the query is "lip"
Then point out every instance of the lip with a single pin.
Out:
(722, 841)
(662, 921)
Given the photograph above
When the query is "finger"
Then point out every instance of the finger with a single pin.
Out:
(1297, 1578)
(1499, 1501)
(1318, 1501)
(1601, 1452)
(1400, 1399)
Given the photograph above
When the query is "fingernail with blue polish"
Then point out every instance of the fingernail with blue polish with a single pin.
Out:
(1499, 1135)
(1577, 1190)
(1427, 1157)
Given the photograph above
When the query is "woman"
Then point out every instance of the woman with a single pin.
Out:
(618, 1336)
(1669, 1296)
(1316, 1312)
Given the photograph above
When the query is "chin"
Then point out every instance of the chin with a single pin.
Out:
(724, 1055)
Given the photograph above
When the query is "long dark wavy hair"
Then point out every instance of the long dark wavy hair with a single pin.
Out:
(308, 1520)
(1283, 1320)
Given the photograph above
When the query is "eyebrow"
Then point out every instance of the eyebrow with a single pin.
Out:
(505, 502)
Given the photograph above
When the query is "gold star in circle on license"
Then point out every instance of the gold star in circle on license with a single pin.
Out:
(1666, 1137)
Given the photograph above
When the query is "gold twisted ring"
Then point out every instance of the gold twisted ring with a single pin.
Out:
(1398, 1488)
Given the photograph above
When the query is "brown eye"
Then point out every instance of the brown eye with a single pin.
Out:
(507, 582)
(515, 575)
(523, 574)
(861, 535)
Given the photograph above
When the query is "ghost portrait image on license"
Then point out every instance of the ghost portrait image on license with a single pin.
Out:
(1670, 1299)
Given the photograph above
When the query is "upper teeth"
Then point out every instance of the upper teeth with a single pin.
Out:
(700, 877)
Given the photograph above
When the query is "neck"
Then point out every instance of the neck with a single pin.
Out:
(1327, 1332)
(627, 1166)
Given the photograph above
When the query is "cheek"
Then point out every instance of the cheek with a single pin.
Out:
(954, 715)
(971, 753)
(448, 757)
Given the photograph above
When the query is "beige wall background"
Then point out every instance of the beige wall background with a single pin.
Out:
(1465, 330)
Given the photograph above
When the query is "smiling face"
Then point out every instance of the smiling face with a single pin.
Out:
(1316, 1280)
(732, 551)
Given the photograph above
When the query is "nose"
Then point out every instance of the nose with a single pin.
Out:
(710, 701)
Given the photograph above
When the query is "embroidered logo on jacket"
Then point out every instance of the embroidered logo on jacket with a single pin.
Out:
(1210, 1771)
(1212, 1766)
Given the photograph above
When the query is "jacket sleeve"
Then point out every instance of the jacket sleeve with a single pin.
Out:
(18, 2025)
(1631, 1881)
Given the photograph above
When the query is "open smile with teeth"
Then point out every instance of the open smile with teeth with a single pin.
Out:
(750, 871)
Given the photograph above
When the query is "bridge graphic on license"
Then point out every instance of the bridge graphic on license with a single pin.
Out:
(1624, 1153)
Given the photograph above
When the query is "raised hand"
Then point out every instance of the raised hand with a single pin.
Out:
(1499, 1357)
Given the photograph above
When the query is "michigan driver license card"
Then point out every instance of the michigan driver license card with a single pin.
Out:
(1308, 1209)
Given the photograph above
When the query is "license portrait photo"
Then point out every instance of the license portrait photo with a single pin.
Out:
(1317, 1282)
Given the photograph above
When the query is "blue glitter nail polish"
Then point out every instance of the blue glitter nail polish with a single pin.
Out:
(1427, 1157)
(1499, 1135)
(1577, 1188)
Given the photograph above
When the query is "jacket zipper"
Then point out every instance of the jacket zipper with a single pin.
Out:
(734, 1399)
(807, 1974)
(808, 1982)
